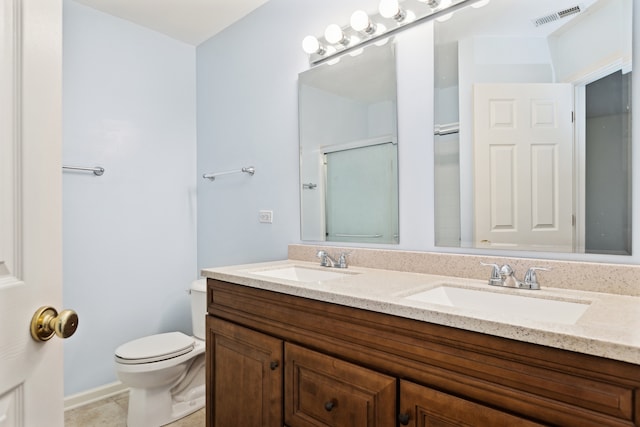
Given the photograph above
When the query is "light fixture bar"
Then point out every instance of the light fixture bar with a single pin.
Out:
(392, 31)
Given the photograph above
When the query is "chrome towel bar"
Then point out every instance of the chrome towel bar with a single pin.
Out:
(447, 129)
(97, 170)
(371, 236)
(212, 176)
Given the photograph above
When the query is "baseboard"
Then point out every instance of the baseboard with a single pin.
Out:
(93, 395)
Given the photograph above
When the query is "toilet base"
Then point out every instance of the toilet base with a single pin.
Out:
(161, 405)
(157, 407)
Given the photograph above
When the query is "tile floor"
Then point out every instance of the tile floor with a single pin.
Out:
(112, 412)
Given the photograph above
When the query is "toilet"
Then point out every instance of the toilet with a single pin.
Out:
(165, 373)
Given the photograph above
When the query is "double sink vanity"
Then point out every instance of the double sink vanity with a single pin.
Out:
(293, 343)
(423, 339)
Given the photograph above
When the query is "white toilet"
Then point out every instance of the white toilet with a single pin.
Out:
(166, 372)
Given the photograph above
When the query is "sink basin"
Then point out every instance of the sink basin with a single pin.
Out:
(301, 274)
(530, 307)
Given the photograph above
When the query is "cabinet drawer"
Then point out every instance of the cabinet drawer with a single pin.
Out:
(422, 407)
(324, 391)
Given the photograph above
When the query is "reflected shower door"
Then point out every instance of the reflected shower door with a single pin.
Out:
(608, 165)
(362, 197)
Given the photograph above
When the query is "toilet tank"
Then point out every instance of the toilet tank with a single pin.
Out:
(199, 307)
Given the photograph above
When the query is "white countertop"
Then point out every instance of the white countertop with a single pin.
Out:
(609, 328)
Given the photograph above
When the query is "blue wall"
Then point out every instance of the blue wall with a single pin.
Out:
(247, 115)
(129, 236)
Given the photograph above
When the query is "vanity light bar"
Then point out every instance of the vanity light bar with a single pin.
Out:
(367, 29)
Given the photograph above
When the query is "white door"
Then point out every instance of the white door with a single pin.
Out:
(31, 392)
(523, 162)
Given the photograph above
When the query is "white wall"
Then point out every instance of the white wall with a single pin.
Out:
(606, 30)
(130, 235)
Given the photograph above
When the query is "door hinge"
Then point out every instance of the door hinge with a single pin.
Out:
(573, 220)
(573, 117)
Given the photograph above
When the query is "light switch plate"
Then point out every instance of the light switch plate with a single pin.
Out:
(265, 216)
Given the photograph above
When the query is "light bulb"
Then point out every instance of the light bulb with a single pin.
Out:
(333, 34)
(389, 8)
(360, 22)
(480, 4)
(392, 9)
(310, 45)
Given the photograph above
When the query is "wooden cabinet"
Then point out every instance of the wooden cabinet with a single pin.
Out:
(324, 391)
(244, 377)
(275, 358)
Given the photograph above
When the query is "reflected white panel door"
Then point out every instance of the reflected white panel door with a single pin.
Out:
(523, 161)
(31, 389)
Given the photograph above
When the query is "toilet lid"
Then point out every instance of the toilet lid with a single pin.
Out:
(155, 348)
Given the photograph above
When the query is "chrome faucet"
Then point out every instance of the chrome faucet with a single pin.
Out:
(505, 276)
(327, 261)
(508, 277)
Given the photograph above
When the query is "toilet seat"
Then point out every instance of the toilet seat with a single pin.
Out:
(154, 348)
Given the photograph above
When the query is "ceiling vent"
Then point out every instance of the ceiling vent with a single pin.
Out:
(556, 16)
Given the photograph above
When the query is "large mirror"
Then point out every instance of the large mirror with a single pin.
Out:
(348, 148)
(533, 126)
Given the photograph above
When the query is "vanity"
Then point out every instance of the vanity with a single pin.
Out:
(292, 343)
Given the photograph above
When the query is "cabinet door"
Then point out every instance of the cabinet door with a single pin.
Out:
(424, 407)
(244, 377)
(323, 391)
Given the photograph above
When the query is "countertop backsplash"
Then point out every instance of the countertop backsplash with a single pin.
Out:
(621, 279)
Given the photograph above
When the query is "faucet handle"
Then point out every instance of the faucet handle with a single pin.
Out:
(495, 278)
(495, 271)
(531, 279)
(342, 261)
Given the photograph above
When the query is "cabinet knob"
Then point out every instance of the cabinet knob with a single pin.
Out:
(274, 365)
(404, 419)
(329, 405)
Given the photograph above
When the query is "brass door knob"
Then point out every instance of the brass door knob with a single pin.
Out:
(46, 322)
